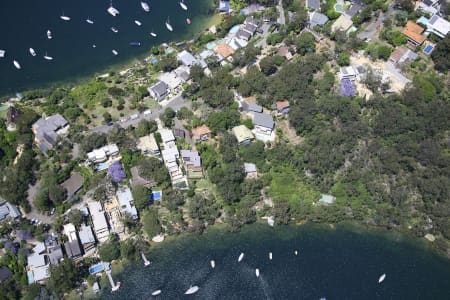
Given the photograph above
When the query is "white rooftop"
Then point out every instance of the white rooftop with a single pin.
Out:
(166, 135)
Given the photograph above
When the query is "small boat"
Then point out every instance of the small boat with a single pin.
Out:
(296, 252)
(156, 293)
(192, 290)
(188, 21)
(47, 57)
(94, 46)
(257, 272)
(241, 257)
(32, 52)
(168, 26)
(114, 29)
(381, 279)
(17, 65)
(135, 44)
(153, 34)
(49, 34)
(146, 261)
(145, 6)
(213, 264)
(88, 20)
(2, 53)
(183, 6)
(112, 11)
(115, 52)
(116, 287)
(270, 255)
(64, 17)
(138, 23)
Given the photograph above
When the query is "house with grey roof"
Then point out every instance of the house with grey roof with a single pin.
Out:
(186, 58)
(55, 254)
(264, 125)
(192, 163)
(243, 34)
(126, 202)
(5, 273)
(254, 107)
(313, 4)
(250, 170)
(159, 90)
(46, 131)
(317, 19)
(73, 249)
(356, 8)
(73, 185)
(87, 238)
(8, 210)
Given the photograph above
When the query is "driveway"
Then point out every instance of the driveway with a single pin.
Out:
(372, 28)
(175, 103)
(281, 20)
(35, 214)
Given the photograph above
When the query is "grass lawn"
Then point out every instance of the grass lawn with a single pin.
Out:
(285, 186)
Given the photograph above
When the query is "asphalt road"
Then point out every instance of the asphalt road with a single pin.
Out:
(175, 103)
(371, 30)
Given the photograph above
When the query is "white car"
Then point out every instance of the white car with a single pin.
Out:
(124, 119)
(134, 117)
(147, 112)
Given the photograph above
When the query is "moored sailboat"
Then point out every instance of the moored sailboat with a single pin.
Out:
(168, 26)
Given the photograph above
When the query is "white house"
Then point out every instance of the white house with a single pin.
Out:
(101, 154)
(126, 202)
(101, 229)
(439, 26)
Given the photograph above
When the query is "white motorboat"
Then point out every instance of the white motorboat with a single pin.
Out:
(296, 252)
(32, 52)
(64, 17)
(2, 53)
(138, 23)
(146, 261)
(114, 29)
(270, 255)
(145, 6)
(115, 52)
(168, 26)
(188, 21)
(241, 257)
(213, 264)
(257, 272)
(156, 293)
(17, 65)
(88, 20)
(49, 34)
(153, 34)
(192, 290)
(94, 46)
(183, 5)
(47, 57)
(381, 279)
(112, 10)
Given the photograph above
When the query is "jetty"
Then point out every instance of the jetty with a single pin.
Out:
(114, 286)
(146, 261)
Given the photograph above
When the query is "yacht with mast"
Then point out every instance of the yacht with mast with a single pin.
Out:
(153, 34)
(64, 17)
(138, 23)
(32, 52)
(17, 65)
(49, 34)
(47, 57)
(145, 6)
(114, 29)
(168, 26)
(89, 20)
(183, 5)
(112, 11)
(192, 290)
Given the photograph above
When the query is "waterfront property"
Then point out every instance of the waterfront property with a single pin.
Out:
(159, 90)
(87, 238)
(186, 58)
(46, 131)
(126, 202)
(99, 221)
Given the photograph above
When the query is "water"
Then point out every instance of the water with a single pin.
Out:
(23, 24)
(336, 264)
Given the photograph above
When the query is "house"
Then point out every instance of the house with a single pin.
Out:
(148, 146)
(73, 185)
(209, 54)
(201, 133)
(250, 28)
(251, 21)
(23, 235)
(284, 51)
(343, 23)
(101, 154)
(159, 90)
(250, 171)
(224, 50)
(126, 202)
(245, 35)
(429, 6)
(413, 33)
(38, 268)
(5, 273)
(55, 254)
(167, 136)
(243, 135)
(236, 43)
(327, 199)
(439, 26)
(186, 58)
(282, 106)
(402, 54)
(254, 107)
(72, 249)
(101, 229)
(46, 131)
(348, 72)
(224, 6)
(87, 238)
(70, 232)
(192, 163)
(356, 8)
(313, 4)
(317, 19)
(8, 210)
(171, 79)
(179, 132)
(264, 124)
(182, 72)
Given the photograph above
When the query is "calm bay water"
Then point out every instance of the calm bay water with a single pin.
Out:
(23, 24)
(334, 263)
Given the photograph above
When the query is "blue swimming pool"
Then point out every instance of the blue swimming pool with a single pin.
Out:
(234, 29)
(96, 268)
(30, 277)
(156, 195)
(428, 49)
(102, 166)
(211, 45)
(338, 8)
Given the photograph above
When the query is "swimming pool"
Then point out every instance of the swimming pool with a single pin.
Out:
(102, 166)
(211, 45)
(428, 49)
(339, 8)
(156, 195)
(30, 277)
(96, 268)
(234, 29)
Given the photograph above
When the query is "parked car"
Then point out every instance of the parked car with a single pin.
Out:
(124, 119)
(147, 112)
(134, 117)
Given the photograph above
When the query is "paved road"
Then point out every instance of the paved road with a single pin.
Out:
(262, 43)
(281, 19)
(371, 30)
(34, 213)
(175, 103)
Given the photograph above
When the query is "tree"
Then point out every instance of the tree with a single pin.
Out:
(196, 73)
(151, 223)
(267, 65)
(75, 217)
(167, 117)
(110, 250)
(128, 250)
(184, 114)
(152, 168)
(343, 59)
(441, 55)
(274, 38)
(141, 196)
(168, 63)
(305, 43)
(93, 141)
(107, 117)
(146, 127)
(63, 277)
(220, 121)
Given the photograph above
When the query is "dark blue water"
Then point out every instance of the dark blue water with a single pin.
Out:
(23, 24)
(333, 263)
